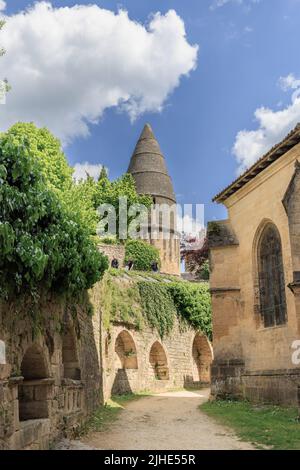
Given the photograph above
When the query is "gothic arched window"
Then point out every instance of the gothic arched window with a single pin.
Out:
(271, 278)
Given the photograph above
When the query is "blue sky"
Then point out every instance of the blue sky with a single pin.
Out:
(245, 47)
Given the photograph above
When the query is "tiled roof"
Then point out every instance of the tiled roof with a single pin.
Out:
(148, 167)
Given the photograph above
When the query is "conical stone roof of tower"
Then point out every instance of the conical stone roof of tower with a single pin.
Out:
(148, 168)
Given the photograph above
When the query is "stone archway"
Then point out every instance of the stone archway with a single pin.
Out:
(159, 362)
(202, 358)
(35, 390)
(126, 355)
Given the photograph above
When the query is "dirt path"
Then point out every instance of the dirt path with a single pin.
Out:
(170, 421)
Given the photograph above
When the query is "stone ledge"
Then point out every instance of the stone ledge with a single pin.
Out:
(15, 380)
(220, 290)
(228, 362)
(272, 373)
(72, 383)
(34, 382)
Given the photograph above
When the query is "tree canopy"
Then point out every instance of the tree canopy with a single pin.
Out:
(42, 243)
(110, 192)
(46, 149)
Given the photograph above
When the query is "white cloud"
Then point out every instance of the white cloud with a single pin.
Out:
(290, 82)
(273, 126)
(2, 5)
(187, 223)
(81, 170)
(220, 3)
(68, 65)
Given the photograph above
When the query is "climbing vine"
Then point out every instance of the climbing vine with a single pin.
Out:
(120, 302)
(141, 298)
(193, 303)
(158, 305)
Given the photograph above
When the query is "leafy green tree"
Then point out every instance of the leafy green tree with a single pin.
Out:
(47, 150)
(79, 198)
(103, 174)
(42, 244)
(76, 197)
(196, 261)
(110, 193)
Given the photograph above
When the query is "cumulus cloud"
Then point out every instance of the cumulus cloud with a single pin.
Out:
(189, 224)
(2, 5)
(68, 65)
(81, 170)
(273, 126)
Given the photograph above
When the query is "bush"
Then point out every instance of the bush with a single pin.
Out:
(142, 254)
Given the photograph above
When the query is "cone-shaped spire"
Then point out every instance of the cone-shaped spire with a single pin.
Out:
(148, 167)
(147, 132)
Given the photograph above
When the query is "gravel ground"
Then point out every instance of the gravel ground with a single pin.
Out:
(165, 421)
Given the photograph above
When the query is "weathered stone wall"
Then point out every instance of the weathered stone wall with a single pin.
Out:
(50, 373)
(155, 364)
(253, 360)
(169, 254)
(57, 364)
(113, 251)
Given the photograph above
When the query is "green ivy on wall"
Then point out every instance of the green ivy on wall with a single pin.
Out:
(120, 301)
(193, 302)
(138, 298)
(158, 305)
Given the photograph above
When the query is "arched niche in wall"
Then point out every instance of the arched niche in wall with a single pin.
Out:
(33, 392)
(126, 353)
(71, 368)
(202, 358)
(158, 361)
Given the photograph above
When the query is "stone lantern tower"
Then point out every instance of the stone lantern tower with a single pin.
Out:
(149, 170)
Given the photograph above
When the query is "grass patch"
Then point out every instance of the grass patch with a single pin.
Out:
(265, 426)
(108, 413)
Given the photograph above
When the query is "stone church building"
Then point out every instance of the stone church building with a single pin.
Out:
(255, 280)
